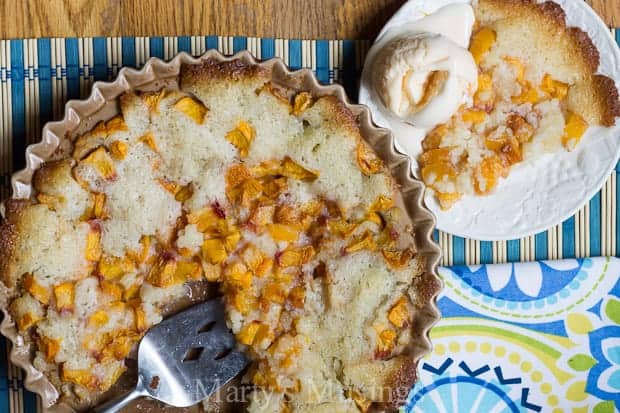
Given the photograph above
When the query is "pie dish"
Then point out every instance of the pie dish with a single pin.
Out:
(533, 184)
(231, 172)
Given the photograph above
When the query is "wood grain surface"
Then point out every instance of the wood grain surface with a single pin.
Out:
(306, 19)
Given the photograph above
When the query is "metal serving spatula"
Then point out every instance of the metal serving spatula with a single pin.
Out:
(184, 359)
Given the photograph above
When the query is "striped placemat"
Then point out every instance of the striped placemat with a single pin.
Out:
(37, 77)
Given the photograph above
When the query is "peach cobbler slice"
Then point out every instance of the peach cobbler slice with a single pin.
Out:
(530, 100)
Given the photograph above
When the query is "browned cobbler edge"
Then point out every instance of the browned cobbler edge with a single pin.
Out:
(8, 234)
(212, 69)
(355, 118)
(602, 88)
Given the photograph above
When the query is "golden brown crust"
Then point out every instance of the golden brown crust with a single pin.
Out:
(342, 115)
(601, 100)
(48, 173)
(210, 69)
(608, 100)
(8, 236)
(400, 383)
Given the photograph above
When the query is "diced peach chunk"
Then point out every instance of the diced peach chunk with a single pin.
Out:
(301, 102)
(237, 275)
(152, 99)
(27, 320)
(132, 291)
(487, 174)
(264, 335)
(102, 162)
(98, 319)
(474, 116)
(149, 140)
(293, 170)
(554, 88)
(188, 270)
(213, 251)
(511, 152)
(397, 258)
(484, 93)
(273, 187)
(274, 292)
(399, 314)
(39, 292)
(83, 378)
(242, 301)
(528, 95)
(50, 347)
(382, 203)
(121, 346)
(343, 228)
(481, 43)
(447, 199)
(99, 205)
(249, 191)
(520, 127)
(118, 150)
(235, 175)
(367, 160)
(192, 108)
(116, 124)
(364, 242)
(576, 126)
(386, 340)
(169, 186)
(297, 297)
(184, 193)
(242, 137)
(495, 144)
(64, 294)
(204, 219)
(252, 257)
(162, 274)
(282, 232)
(362, 403)
(292, 257)
(139, 319)
(438, 171)
(434, 138)
(112, 289)
(140, 256)
(93, 245)
(248, 332)
(113, 267)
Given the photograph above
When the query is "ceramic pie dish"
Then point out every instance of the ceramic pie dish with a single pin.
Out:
(102, 105)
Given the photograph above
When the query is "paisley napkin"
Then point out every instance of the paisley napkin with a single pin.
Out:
(540, 336)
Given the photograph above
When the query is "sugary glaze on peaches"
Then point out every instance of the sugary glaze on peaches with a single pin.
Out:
(273, 195)
(538, 92)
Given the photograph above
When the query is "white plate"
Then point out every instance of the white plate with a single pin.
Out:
(537, 195)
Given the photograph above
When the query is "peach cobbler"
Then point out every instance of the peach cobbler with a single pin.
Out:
(537, 93)
(274, 195)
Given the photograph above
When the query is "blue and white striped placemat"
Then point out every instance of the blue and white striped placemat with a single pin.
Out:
(37, 77)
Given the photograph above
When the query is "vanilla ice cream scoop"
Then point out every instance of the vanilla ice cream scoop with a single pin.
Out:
(423, 72)
(424, 78)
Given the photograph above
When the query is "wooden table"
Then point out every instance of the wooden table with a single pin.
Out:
(306, 19)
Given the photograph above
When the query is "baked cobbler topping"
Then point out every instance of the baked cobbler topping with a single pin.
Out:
(518, 114)
(278, 201)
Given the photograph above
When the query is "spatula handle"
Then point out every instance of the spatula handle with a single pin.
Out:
(114, 405)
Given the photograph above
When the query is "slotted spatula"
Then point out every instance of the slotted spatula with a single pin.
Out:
(184, 359)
